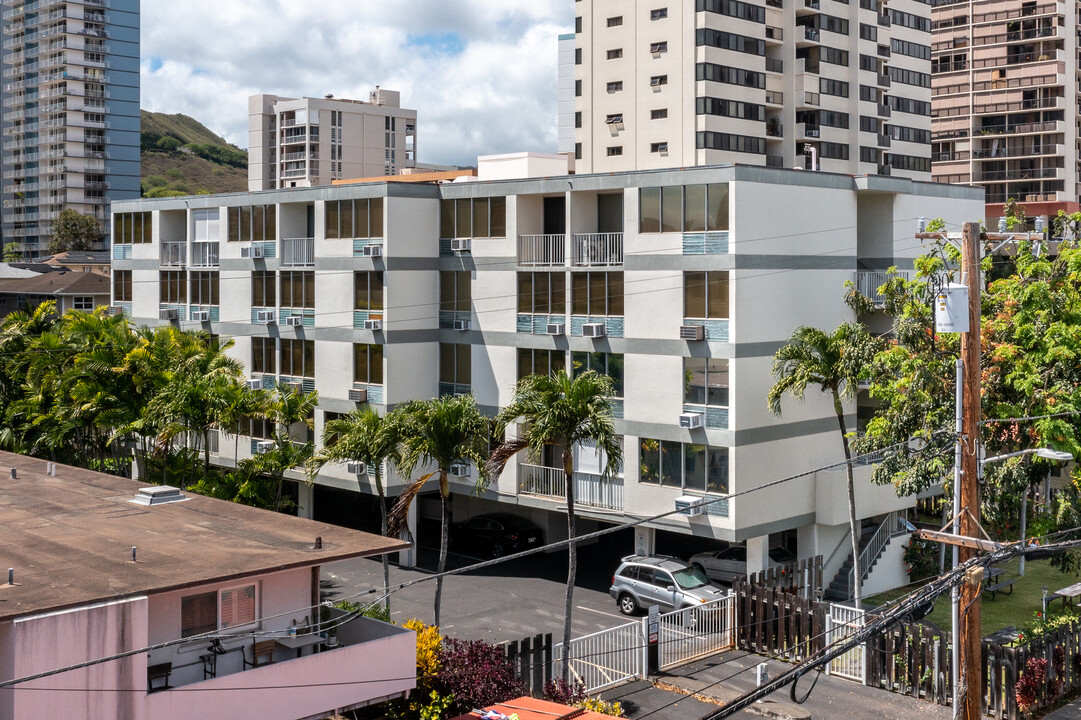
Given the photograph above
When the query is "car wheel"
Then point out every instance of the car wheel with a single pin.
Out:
(627, 604)
(497, 550)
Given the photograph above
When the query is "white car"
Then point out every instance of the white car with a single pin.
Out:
(731, 563)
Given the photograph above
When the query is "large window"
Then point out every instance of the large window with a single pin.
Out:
(207, 225)
(540, 362)
(610, 364)
(297, 289)
(204, 288)
(542, 293)
(361, 218)
(368, 291)
(473, 217)
(705, 295)
(263, 355)
(683, 465)
(455, 293)
(254, 223)
(297, 358)
(683, 208)
(122, 285)
(455, 364)
(597, 293)
(133, 228)
(705, 381)
(173, 286)
(368, 364)
(264, 288)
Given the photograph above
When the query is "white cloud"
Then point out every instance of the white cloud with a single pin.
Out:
(480, 73)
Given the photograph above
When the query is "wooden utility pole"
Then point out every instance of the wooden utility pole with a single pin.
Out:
(970, 636)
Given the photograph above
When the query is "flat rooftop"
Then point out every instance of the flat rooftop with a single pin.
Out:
(69, 539)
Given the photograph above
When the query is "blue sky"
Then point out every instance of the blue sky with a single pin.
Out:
(480, 73)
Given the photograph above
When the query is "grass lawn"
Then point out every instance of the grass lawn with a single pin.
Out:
(1015, 609)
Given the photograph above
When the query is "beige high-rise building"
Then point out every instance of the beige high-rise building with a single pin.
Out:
(304, 142)
(1004, 74)
(678, 83)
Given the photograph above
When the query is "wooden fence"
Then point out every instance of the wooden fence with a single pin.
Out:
(1004, 666)
(911, 660)
(802, 578)
(778, 623)
(531, 659)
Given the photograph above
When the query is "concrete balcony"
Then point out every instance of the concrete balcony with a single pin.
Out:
(589, 490)
(373, 661)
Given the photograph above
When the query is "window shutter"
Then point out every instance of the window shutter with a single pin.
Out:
(198, 614)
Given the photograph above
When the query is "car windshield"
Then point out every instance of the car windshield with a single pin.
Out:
(690, 578)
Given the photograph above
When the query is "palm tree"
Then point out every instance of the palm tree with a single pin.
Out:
(363, 436)
(833, 363)
(559, 411)
(291, 413)
(438, 433)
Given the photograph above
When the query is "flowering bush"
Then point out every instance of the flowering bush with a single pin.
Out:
(477, 674)
(1042, 625)
(429, 701)
(921, 559)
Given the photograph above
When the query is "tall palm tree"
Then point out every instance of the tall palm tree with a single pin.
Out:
(291, 413)
(438, 433)
(363, 436)
(557, 410)
(832, 361)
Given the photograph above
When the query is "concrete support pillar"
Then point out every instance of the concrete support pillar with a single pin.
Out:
(306, 500)
(645, 539)
(408, 558)
(807, 541)
(757, 553)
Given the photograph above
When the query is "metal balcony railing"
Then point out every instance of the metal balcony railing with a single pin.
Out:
(204, 254)
(174, 254)
(598, 249)
(590, 490)
(298, 252)
(542, 250)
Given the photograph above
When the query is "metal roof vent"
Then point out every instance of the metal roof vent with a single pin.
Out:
(158, 495)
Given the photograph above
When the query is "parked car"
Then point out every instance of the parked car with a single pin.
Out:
(644, 580)
(731, 563)
(495, 535)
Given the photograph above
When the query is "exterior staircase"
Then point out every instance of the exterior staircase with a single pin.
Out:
(874, 537)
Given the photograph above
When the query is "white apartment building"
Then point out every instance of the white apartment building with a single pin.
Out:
(679, 284)
(682, 83)
(70, 103)
(305, 142)
(565, 91)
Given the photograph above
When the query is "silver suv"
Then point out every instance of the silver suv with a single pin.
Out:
(644, 580)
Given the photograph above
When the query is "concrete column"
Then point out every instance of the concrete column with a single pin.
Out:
(757, 553)
(408, 558)
(644, 540)
(306, 500)
(807, 541)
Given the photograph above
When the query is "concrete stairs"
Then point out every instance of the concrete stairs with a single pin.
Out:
(838, 587)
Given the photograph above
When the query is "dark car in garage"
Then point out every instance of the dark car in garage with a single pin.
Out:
(495, 535)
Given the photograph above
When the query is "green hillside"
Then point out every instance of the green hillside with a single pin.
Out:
(180, 156)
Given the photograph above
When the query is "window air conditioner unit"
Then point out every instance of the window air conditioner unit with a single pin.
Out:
(266, 317)
(200, 315)
(116, 310)
(555, 329)
(253, 252)
(296, 387)
(691, 421)
(692, 332)
(458, 470)
(294, 320)
(373, 251)
(255, 384)
(593, 330)
(461, 324)
(264, 446)
(460, 245)
(356, 468)
(167, 314)
(373, 324)
(685, 505)
(358, 396)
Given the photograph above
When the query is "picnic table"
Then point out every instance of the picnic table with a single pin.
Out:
(991, 574)
(1070, 594)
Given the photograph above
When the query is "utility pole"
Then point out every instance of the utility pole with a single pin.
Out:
(969, 676)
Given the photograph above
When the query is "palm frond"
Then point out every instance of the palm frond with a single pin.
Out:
(398, 518)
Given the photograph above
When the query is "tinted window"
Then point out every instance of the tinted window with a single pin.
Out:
(735, 553)
(630, 572)
(662, 579)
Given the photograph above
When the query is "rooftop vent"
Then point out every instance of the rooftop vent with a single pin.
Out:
(158, 495)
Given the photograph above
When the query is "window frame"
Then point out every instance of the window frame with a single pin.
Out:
(264, 355)
(307, 289)
(286, 362)
(462, 292)
(721, 276)
(370, 351)
(458, 352)
(122, 286)
(587, 281)
(706, 390)
(212, 281)
(555, 302)
(665, 460)
(492, 219)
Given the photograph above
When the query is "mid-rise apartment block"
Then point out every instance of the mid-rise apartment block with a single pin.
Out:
(70, 105)
(305, 142)
(1005, 73)
(682, 83)
(678, 284)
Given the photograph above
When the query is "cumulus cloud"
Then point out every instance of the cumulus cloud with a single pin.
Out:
(480, 73)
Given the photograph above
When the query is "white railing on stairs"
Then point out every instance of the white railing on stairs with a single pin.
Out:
(894, 525)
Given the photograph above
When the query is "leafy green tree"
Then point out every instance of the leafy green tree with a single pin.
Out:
(437, 434)
(363, 436)
(71, 230)
(561, 411)
(832, 362)
(12, 253)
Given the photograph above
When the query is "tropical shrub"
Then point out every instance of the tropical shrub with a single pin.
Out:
(477, 674)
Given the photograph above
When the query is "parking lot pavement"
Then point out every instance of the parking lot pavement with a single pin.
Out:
(497, 604)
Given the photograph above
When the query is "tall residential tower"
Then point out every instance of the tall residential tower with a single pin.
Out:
(70, 112)
(699, 82)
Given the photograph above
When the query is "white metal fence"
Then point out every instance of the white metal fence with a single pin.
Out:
(298, 252)
(542, 250)
(589, 489)
(598, 249)
(842, 621)
(610, 657)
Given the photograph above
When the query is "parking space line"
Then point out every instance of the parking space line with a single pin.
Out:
(601, 612)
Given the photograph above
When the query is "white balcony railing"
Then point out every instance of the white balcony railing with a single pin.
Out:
(204, 254)
(598, 249)
(298, 252)
(868, 282)
(589, 489)
(174, 254)
(542, 250)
